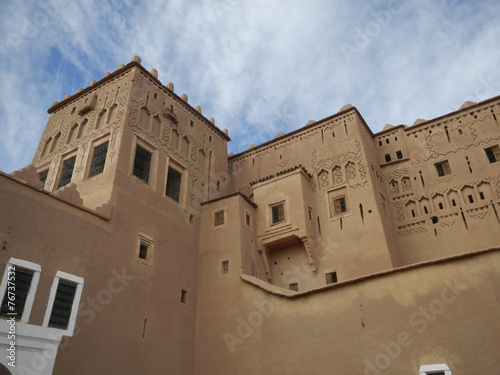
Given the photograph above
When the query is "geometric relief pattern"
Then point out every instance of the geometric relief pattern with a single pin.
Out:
(327, 158)
(470, 139)
(338, 176)
(323, 178)
(89, 127)
(400, 209)
(350, 170)
(412, 229)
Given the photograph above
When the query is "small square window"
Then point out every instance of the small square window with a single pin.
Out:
(443, 168)
(294, 287)
(174, 179)
(331, 277)
(278, 213)
(493, 153)
(399, 154)
(98, 159)
(142, 163)
(66, 172)
(143, 251)
(219, 218)
(224, 267)
(339, 205)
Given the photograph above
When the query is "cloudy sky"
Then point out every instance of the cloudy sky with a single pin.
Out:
(259, 67)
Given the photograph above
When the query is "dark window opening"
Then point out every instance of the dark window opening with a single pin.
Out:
(380, 143)
(443, 168)
(413, 213)
(173, 190)
(43, 176)
(434, 219)
(278, 213)
(67, 172)
(219, 218)
(225, 267)
(387, 141)
(425, 210)
(471, 199)
(441, 206)
(387, 158)
(142, 163)
(183, 296)
(247, 219)
(481, 195)
(453, 202)
(17, 298)
(63, 303)
(143, 251)
(294, 287)
(98, 159)
(331, 277)
(399, 154)
(493, 153)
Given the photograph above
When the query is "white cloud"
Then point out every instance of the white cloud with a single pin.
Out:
(259, 67)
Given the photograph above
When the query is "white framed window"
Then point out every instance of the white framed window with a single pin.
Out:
(63, 303)
(18, 288)
(437, 369)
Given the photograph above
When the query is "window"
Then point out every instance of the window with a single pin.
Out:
(493, 153)
(224, 267)
(294, 287)
(66, 172)
(183, 296)
(63, 302)
(331, 277)
(144, 252)
(18, 289)
(174, 178)
(278, 213)
(219, 218)
(43, 176)
(387, 158)
(399, 154)
(142, 163)
(339, 205)
(248, 221)
(98, 159)
(443, 168)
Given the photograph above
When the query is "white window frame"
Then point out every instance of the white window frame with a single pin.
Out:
(37, 269)
(431, 369)
(76, 301)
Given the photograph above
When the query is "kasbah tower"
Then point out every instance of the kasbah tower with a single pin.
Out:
(136, 245)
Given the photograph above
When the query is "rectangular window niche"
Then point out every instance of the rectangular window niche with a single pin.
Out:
(144, 249)
(64, 299)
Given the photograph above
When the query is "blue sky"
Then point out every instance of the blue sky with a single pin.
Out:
(258, 67)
